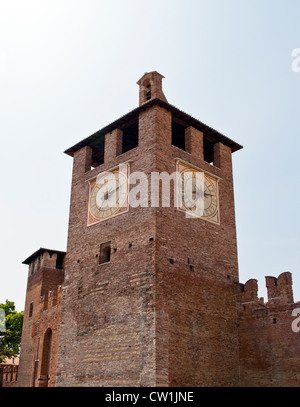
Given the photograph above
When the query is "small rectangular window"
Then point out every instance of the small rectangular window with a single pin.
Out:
(105, 252)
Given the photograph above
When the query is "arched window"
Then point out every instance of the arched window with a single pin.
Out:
(147, 89)
(44, 378)
(105, 251)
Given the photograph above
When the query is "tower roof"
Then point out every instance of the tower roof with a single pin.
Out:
(97, 138)
(37, 253)
(149, 74)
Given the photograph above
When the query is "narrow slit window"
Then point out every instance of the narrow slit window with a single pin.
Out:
(30, 309)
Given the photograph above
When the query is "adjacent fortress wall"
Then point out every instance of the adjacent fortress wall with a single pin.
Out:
(269, 350)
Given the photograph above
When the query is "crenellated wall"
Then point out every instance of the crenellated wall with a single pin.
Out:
(269, 350)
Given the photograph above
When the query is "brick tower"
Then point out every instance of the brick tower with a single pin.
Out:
(41, 323)
(149, 292)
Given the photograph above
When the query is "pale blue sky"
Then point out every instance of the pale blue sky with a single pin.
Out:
(69, 67)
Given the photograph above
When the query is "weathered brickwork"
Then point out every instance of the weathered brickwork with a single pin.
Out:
(167, 307)
(108, 309)
(195, 305)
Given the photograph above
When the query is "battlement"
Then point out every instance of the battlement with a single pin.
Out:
(279, 291)
(45, 258)
(51, 299)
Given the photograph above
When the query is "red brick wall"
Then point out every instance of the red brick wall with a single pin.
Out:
(269, 350)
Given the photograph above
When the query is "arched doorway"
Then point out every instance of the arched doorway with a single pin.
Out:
(44, 376)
